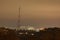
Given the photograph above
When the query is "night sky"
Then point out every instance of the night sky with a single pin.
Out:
(32, 12)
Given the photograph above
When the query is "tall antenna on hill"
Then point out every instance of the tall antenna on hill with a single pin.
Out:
(18, 22)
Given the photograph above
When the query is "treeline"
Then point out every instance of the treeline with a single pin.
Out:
(8, 34)
(47, 34)
(51, 34)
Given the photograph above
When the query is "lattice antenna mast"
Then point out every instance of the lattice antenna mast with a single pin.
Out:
(19, 18)
(18, 22)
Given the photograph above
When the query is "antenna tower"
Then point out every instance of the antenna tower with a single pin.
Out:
(18, 22)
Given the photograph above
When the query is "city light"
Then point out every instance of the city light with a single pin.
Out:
(31, 28)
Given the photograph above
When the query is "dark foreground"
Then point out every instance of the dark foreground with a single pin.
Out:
(47, 34)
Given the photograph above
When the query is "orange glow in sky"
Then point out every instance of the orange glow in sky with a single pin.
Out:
(44, 12)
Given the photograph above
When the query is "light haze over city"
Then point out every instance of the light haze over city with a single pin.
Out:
(32, 12)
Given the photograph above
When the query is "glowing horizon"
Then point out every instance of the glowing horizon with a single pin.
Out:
(33, 12)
